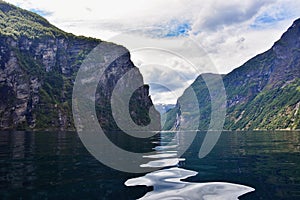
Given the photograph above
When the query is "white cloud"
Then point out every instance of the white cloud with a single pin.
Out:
(231, 32)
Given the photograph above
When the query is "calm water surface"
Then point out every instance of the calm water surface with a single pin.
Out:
(55, 165)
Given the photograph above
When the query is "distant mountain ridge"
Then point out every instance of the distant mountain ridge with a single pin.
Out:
(163, 108)
(38, 67)
(264, 93)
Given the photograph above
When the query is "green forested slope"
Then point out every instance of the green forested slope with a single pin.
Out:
(264, 93)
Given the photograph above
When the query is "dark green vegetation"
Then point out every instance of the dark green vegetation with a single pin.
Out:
(264, 93)
(38, 67)
(17, 23)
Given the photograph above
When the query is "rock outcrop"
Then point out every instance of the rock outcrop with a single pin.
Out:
(264, 93)
(38, 66)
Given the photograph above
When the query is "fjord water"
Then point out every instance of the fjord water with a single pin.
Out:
(56, 165)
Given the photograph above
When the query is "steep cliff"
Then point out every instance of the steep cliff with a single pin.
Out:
(38, 66)
(264, 93)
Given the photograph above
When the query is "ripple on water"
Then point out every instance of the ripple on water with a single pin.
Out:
(163, 162)
(167, 184)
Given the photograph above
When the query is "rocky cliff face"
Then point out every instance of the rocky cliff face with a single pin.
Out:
(38, 66)
(36, 80)
(264, 93)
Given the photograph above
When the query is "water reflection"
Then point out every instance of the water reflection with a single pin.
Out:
(55, 165)
(166, 151)
(20, 150)
(167, 183)
(163, 162)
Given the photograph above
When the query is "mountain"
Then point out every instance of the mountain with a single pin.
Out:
(38, 67)
(163, 108)
(264, 93)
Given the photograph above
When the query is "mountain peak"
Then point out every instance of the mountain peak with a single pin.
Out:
(261, 94)
(17, 22)
(291, 36)
(38, 67)
(296, 23)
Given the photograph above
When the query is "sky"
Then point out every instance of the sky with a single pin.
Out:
(173, 41)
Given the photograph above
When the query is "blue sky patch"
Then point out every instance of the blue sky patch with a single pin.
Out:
(177, 29)
(266, 19)
(40, 12)
(174, 28)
